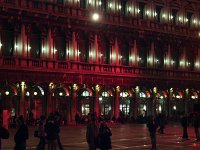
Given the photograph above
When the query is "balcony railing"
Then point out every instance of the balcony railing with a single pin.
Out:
(48, 65)
(49, 8)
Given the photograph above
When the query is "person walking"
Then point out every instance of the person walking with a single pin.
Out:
(184, 123)
(51, 133)
(21, 134)
(104, 136)
(92, 132)
(41, 133)
(152, 126)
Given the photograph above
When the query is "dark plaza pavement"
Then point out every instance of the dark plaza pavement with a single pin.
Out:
(126, 136)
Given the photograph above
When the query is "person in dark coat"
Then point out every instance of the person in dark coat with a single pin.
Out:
(196, 125)
(57, 123)
(52, 131)
(92, 133)
(104, 136)
(41, 133)
(21, 135)
(152, 126)
(184, 123)
(161, 123)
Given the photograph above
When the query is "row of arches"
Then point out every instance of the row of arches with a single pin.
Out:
(109, 103)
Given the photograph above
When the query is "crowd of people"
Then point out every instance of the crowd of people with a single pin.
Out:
(158, 124)
(98, 134)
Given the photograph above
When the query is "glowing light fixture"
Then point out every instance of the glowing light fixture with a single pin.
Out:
(0, 45)
(174, 107)
(60, 94)
(27, 93)
(35, 93)
(163, 15)
(95, 16)
(7, 92)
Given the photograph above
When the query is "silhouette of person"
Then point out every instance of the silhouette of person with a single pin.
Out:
(41, 133)
(152, 126)
(184, 123)
(92, 133)
(4, 134)
(21, 135)
(196, 125)
(51, 133)
(104, 136)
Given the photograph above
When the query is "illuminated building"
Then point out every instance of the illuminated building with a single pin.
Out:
(103, 56)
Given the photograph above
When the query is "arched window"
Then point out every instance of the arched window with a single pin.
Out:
(124, 94)
(105, 94)
(85, 94)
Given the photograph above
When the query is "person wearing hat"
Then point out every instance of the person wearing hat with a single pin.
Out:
(21, 134)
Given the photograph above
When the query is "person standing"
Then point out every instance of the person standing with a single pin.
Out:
(51, 133)
(92, 133)
(152, 126)
(41, 133)
(184, 123)
(21, 135)
(57, 123)
(104, 136)
(196, 125)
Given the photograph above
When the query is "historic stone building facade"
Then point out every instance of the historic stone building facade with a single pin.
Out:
(137, 57)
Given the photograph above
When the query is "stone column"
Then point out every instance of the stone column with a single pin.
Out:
(24, 41)
(50, 44)
(117, 52)
(50, 89)
(96, 102)
(74, 102)
(96, 46)
(22, 99)
(75, 49)
(135, 104)
(117, 102)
